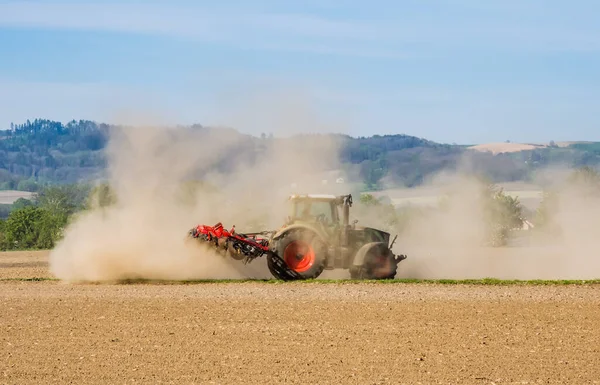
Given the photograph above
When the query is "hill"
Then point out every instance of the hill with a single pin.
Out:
(42, 152)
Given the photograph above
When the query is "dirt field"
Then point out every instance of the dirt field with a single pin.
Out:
(497, 148)
(260, 333)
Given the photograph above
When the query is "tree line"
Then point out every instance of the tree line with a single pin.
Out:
(39, 153)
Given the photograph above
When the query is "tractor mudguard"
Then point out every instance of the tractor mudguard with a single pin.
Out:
(301, 226)
(359, 257)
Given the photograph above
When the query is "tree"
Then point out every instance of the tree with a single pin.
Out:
(21, 202)
(503, 213)
(32, 227)
(21, 227)
(50, 229)
(377, 212)
(63, 200)
(369, 200)
(27, 185)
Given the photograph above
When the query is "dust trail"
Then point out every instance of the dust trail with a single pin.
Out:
(143, 235)
(448, 244)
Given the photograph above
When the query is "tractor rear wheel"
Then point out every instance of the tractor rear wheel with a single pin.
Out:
(379, 263)
(303, 252)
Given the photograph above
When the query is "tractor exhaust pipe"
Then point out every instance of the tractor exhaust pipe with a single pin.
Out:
(346, 214)
(346, 203)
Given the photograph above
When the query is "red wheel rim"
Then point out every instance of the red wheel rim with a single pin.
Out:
(299, 256)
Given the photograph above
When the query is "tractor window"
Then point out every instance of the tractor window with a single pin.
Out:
(321, 208)
(310, 210)
(298, 208)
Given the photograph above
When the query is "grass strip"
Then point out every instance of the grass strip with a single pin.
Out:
(31, 279)
(473, 282)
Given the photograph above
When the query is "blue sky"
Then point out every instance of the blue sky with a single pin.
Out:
(465, 71)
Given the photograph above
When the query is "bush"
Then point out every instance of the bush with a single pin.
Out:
(22, 202)
(32, 227)
(39, 224)
(503, 214)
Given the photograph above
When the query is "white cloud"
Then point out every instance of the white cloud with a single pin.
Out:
(391, 31)
(268, 31)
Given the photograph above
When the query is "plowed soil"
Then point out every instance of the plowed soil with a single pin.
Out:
(259, 333)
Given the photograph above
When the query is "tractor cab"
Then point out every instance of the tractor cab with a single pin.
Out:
(329, 211)
(313, 208)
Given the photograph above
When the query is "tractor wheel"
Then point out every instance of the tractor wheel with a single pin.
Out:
(303, 252)
(379, 263)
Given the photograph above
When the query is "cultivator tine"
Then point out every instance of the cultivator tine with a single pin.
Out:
(282, 270)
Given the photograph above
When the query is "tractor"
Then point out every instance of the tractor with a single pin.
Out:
(316, 236)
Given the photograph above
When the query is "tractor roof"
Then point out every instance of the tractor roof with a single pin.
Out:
(338, 199)
(314, 196)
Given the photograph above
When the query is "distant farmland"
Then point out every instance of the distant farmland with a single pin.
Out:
(529, 195)
(8, 197)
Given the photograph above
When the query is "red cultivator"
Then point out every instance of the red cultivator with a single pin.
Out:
(243, 247)
(314, 238)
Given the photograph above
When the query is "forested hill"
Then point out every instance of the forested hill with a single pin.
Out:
(48, 151)
(43, 151)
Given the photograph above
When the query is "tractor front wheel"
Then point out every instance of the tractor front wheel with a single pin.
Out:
(379, 263)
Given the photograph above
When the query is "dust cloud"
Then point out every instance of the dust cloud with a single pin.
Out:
(449, 244)
(150, 170)
(142, 234)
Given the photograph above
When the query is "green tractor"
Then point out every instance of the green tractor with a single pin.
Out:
(318, 236)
